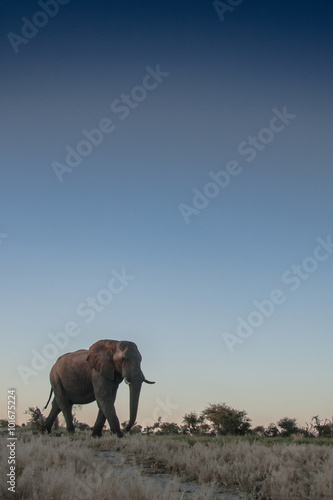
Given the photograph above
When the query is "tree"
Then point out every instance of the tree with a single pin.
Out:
(75, 409)
(157, 425)
(308, 430)
(191, 423)
(36, 417)
(259, 430)
(194, 424)
(288, 426)
(271, 431)
(168, 428)
(77, 424)
(325, 429)
(227, 420)
(148, 430)
(82, 426)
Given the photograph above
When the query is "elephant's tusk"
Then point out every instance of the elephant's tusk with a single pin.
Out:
(126, 381)
(148, 381)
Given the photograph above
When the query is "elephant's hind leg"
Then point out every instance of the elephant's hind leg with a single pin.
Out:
(67, 411)
(55, 410)
(99, 424)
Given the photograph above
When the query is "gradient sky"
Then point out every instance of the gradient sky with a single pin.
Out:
(60, 241)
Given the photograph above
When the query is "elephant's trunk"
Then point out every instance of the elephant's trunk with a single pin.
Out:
(135, 389)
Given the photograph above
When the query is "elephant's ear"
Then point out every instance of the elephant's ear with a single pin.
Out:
(100, 357)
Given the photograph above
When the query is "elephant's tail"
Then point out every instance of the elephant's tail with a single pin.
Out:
(48, 399)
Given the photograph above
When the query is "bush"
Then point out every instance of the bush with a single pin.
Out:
(288, 426)
(227, 420)
(36, 419)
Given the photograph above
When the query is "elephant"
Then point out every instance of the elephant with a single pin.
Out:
(84, 376)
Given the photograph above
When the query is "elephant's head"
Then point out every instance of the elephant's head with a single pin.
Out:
(114, 359)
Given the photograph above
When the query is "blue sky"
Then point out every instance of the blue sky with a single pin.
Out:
(120, 207)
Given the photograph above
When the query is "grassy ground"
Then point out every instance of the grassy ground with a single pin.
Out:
(63, 467)
(266, 441)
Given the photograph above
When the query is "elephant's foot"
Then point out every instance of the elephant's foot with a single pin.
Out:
(45, 429)
(117, 432)
(115, 429)
(96, 434)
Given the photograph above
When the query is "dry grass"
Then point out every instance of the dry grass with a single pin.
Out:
(60, 468)
(269, 473)
(65, 468)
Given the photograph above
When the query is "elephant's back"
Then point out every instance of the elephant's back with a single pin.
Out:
(75, 354)
(73, 373)
(72, 360)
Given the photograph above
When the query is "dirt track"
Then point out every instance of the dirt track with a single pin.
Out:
(155, 473)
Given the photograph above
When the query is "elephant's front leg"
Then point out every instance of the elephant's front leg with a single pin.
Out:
(101, 418)
(99, 424)
(106, 404)
(105, 393)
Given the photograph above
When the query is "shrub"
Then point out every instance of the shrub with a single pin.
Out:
(288, 426)
(227, 420)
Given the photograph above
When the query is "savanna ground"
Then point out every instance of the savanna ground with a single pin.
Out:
(137, 467)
